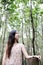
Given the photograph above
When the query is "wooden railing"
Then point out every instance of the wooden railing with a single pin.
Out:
(34, 61)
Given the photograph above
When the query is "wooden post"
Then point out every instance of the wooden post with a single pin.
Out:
(34, 61)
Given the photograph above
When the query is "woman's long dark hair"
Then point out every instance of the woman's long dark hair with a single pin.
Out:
(11, 41)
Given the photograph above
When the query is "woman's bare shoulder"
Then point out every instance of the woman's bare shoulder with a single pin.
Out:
(21, 44)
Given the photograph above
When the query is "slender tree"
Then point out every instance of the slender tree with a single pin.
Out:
(33, 30)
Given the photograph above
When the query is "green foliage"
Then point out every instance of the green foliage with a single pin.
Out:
(11, 8)
(41, 12)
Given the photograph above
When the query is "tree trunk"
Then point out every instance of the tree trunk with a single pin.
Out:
(33, 30)
(3, 40)
(33, 61)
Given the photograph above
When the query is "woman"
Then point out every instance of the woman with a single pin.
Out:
(13, 50)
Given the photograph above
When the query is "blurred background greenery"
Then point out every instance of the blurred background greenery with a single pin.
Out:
(26, 16)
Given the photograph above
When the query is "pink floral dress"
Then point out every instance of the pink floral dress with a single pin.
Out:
(16, 55)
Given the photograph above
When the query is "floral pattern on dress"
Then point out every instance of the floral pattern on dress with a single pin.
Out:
(16, 55)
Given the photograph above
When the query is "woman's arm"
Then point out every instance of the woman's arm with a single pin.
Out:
(26, 54)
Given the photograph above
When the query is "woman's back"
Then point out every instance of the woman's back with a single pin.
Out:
(13, 50)
(16, 55)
